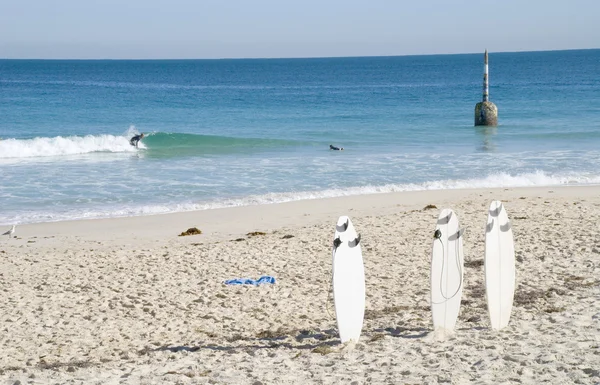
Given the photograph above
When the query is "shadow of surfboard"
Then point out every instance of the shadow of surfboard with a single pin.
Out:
(408, 333)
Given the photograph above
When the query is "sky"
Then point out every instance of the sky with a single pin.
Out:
(187, 29)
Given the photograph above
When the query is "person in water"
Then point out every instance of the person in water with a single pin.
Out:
(135, 140)
(332, 147)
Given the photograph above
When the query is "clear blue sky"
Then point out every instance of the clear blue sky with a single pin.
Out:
(290, 28)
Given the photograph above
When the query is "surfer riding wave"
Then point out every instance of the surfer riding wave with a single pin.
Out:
(135, 140)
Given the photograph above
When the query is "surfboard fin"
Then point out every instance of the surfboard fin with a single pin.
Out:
(343, 227)
(336, 243)
(355, 242)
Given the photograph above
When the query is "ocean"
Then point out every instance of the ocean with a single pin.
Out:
(243, 132)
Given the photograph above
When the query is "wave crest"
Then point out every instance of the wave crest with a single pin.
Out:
(58, 146)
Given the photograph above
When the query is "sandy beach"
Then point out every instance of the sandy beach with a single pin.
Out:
(127, 300)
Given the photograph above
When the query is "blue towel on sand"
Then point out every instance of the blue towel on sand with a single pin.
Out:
(250, 281)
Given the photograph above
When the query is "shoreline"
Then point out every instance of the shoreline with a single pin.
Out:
(220, 223)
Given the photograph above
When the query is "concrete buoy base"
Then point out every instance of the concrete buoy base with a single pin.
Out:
(486, 114)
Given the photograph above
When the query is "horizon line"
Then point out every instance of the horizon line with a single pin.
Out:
(297, 57)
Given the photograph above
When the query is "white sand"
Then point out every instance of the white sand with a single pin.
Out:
(128, 301)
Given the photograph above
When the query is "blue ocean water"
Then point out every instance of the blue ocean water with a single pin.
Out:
(242, 132)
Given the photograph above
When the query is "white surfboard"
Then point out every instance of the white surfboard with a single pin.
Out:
(499, 265)
(348, 280)
(446, 271)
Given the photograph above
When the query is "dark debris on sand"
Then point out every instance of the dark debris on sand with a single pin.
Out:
(474, 263)
(191, 231)
(255, 233)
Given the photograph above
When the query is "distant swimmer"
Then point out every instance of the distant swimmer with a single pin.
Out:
(332, 147)
(135, 140)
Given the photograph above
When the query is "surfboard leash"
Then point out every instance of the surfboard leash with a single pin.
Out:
(437, 235)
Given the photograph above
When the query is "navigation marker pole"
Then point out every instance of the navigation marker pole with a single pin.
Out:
(486, 112)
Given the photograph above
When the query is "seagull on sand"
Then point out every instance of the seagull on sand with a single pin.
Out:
(10, 232)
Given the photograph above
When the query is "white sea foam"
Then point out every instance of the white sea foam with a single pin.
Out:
(60, 146)
(500, 180)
